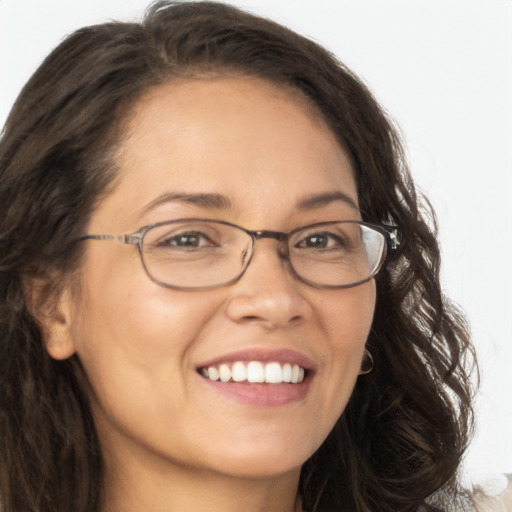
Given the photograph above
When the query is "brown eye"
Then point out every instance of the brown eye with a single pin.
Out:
(323, 240)
(190, 240)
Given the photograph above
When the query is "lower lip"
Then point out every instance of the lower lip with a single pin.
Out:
(262, 395)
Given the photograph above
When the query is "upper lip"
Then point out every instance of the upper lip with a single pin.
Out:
(264, 355)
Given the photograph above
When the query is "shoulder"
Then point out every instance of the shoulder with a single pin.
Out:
(495, 495)
(501, 502)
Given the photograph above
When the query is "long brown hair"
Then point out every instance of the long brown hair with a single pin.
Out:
(398, 444)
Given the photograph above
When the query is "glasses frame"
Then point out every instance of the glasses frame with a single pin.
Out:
(391, 235)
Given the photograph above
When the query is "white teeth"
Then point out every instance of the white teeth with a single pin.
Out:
(273, 373)
(287, 372)
(238, 372)
(213, 373)
(295, 374)
(225, 373)
(255, 372)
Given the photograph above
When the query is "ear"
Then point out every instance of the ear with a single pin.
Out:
(52, 310)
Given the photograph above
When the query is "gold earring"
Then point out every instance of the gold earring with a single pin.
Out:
(367, 364)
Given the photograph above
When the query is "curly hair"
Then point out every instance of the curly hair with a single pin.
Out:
(399, 443)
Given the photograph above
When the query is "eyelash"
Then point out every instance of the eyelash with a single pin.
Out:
(175, 237)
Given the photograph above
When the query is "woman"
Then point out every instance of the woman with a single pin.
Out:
(279, 340)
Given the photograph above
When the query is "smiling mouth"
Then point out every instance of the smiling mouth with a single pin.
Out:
(255, 372)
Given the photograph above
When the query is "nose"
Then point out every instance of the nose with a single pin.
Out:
(268, 293)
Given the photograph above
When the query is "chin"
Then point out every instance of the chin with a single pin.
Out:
(261, 460)
(256, 468)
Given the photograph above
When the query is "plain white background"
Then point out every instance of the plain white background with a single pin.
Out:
(443, 70)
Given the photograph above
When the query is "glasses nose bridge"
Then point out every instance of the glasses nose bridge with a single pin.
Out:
(276, 235)
(281, 237)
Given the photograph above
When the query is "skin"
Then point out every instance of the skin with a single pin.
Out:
(265, 148)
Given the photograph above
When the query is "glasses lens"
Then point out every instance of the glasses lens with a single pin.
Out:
(202, 253)
(337, 254)
(196, 253)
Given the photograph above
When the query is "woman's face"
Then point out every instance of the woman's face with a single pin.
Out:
(269, 154)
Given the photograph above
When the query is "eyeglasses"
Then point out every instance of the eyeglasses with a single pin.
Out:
(194, 254)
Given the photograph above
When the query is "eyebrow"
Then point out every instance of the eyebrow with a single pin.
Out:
(220, 202)
(205, 200)
(321, 200)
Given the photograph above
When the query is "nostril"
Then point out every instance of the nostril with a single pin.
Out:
(297, 319)
(250, 318)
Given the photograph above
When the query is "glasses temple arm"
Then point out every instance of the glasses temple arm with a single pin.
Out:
(124, 239)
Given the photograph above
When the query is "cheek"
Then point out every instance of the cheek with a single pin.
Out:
(347, 323)
(135, 346)
(348, 316)
(125, 322)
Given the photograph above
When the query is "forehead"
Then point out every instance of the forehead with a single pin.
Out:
(241, 137)
(221, 102)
